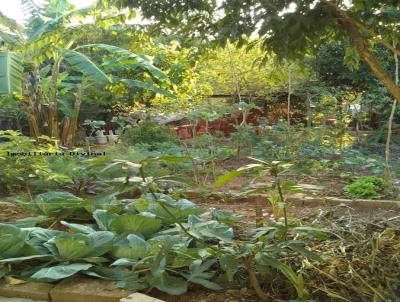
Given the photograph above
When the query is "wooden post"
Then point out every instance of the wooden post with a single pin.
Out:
(289, 96)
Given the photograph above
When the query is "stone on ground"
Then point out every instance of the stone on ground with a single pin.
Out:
(76, 289)
(138, 297)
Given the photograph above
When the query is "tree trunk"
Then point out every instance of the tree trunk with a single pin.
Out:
(29, 109)
(289, 96)
(390, 124)
(235, 74)
(308, 106)
(70, 124)
(53, 106)
(351, 28)
(386, 175)
(53, 120)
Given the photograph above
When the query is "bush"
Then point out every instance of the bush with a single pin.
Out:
(368, 187)
(149, 133)
(19, 164)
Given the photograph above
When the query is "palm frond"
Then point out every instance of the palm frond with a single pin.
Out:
(31, 8)
(10, 24)
(83, 64)
(122, 52)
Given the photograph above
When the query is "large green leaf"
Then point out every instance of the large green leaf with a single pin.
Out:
(223, 179)
(8, 38)
(166, 242)
(147, 86)
(200, 274)
(103, 219)
(112, 273)
(83, 64)
(230, 265)
(105, 201)
(29, 222)
(12, 241)
(137, 224)
(37, 237)
(286, 270)
(70, 247)
(57, 203)
(59, 272)
(229, 218)
(25, 258)
(79, 246)
(123, 53)
(10, 24)
(63, 12)
(131, 247)
(210, 229)
(12, 73)
(180, 209)
(168, 284)
(299, 247)
(107, 47)
(78, 228)
(160, 279)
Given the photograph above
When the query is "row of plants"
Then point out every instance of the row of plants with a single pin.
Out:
(152, 241)
(312, 152)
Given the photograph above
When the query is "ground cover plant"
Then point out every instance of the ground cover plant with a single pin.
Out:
(151, 241)
(202, 150)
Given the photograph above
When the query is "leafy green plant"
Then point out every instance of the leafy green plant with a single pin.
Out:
(148, 133)
(205, 153)
(369, 187)
(58, 204)
(81, 247)
(245, 135)
(23, 244)
(275, 189)
(153, 241)
(21, 162)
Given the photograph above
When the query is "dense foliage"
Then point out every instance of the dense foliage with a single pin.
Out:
(132, 120)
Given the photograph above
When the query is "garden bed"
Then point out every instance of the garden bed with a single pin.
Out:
(363, 240)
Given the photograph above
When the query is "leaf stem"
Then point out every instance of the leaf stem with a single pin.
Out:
(184, 229)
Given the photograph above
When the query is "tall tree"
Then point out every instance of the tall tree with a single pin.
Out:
(289, 29)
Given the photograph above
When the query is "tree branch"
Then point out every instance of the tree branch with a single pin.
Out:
(363, 28)
(363, 50)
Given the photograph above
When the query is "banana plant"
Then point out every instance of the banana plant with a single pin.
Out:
(59, 69)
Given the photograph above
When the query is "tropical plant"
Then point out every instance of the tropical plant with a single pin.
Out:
(149, 133)
(59, 72)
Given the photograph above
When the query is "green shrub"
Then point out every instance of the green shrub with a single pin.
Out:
(148, 133)
(20, 161)
(368, 187)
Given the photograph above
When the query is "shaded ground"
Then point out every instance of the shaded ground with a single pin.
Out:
(9, 212)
